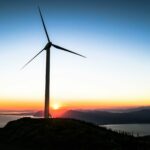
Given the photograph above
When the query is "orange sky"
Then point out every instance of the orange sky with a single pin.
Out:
(72, 104)
(59, 107)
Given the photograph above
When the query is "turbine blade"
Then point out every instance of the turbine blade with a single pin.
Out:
(44, 25)
(64, 49)
(32, 59)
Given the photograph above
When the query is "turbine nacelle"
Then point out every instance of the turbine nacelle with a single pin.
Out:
(48, 46)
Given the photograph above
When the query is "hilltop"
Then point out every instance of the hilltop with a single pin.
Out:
(55, 134)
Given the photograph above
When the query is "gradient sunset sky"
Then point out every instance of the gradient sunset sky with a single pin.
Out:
(113, 34)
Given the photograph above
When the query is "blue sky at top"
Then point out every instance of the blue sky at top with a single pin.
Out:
(113, 34)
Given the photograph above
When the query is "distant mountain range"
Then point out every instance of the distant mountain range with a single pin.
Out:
(121, 116)
(113, 116)
(129, 109)
(105, 117)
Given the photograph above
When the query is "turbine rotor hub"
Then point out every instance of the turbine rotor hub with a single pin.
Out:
(48, 45)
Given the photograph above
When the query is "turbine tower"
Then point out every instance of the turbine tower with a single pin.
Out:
(47, 48)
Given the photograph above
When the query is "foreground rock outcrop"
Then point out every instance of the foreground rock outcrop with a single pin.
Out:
(67, 134)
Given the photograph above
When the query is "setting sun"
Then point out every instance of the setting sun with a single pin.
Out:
(56, 106)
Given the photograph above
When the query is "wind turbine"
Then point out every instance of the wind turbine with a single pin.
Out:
(47, 48)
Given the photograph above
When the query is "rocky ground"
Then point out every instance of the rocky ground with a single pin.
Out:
(66, 134)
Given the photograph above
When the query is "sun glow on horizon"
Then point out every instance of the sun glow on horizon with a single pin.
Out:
(56, 106)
